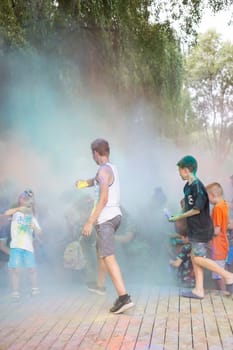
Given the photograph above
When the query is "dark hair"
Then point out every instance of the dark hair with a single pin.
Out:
(101, 146)
(188, 162)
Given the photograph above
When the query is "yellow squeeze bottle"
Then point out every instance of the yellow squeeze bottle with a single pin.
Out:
(81, 184)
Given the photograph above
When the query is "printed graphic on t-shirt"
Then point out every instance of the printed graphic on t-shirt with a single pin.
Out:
(22, 232)
(190, 200)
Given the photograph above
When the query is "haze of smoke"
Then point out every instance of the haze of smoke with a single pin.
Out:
(45, 145)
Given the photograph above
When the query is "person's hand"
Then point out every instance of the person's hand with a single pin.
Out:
(87, 229)
(174, 218)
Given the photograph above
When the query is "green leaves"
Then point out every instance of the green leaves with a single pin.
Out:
(209, 72)
(128, 47)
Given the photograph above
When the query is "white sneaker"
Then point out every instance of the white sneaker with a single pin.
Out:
(95, 289)
(35, 291)
(15, 296)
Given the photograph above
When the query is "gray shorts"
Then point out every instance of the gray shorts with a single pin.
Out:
(200, 249)
(105, 240)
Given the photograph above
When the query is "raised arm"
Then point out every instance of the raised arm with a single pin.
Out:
(12, 211)
(35, 226)
(184, 215)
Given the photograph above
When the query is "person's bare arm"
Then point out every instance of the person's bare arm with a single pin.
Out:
(35, 226)
(184, 215)
(36, 229)
(3, 247)
(12, 211)
(176, 263)
(217, 230)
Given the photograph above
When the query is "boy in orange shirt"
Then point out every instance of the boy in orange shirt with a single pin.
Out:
(220, 217)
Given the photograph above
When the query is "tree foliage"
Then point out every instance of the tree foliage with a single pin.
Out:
(186, 14)
(120, 44)
(210, 81)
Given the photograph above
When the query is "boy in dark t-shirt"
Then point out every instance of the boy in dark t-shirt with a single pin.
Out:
(199, 226)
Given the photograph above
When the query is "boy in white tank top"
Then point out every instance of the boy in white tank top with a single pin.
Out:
(106, 216)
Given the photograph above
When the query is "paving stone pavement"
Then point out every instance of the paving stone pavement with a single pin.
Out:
(71, 318)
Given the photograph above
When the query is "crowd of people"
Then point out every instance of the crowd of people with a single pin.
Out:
(100, 233)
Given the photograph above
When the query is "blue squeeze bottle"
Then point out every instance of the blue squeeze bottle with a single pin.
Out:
(167, 213)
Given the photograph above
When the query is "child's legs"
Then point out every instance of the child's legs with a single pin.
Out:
(102, 272)
(199, 278)
(15, 264)
(199, 251)
(220, 284)
(229, 262)
(15, 274)
(33, 277)
(212, 266)
(30, 264)
(219, 281)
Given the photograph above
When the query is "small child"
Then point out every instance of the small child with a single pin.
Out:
(23, 226)
(220, 244)
(182, 260)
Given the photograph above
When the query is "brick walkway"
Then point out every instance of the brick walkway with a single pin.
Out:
(77, 319)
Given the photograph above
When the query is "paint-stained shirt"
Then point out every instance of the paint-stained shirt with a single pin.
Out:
(22, 232)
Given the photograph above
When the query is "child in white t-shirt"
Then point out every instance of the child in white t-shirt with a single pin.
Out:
(24, 226)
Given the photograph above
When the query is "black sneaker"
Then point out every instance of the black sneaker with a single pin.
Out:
(122, 304)
(95, 289)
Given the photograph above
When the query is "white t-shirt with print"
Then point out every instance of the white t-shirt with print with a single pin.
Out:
(22, 232)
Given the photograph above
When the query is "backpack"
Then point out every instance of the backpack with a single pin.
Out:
(74, 257)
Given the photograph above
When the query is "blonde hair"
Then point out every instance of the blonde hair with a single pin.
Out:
(215, 188)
